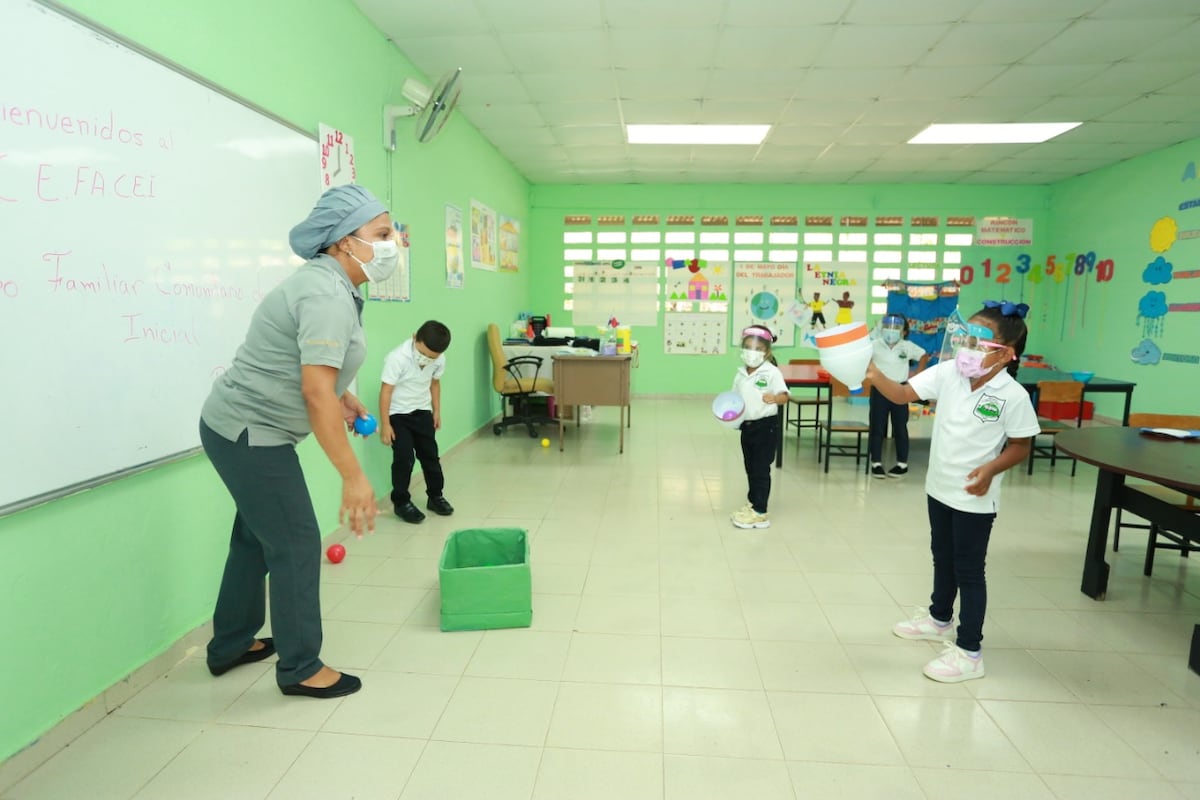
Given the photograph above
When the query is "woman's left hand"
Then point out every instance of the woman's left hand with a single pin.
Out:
(352, 409)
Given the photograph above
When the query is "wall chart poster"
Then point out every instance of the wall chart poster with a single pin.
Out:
(762, 294)
(454, 247)
(510, 244)
(838, 291)
(695, 334)
(484, 247)
(396, 288)
(698, 285)
(606, 289)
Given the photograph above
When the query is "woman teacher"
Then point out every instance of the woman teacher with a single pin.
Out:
(289, 378)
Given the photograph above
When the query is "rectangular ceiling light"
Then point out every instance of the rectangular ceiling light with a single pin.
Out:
(696, 134)
(993, 133)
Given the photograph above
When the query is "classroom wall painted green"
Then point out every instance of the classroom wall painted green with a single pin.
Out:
(681, 374)
(1096, 326)
(99, 583)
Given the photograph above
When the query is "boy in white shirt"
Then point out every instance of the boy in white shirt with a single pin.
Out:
(893, 356)
(410, 405)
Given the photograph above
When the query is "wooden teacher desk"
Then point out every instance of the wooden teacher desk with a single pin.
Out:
(1119, 452)
(592, 381)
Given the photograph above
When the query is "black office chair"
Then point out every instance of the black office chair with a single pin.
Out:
(517, 389)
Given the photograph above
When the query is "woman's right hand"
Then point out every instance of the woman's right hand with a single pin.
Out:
(358, 503)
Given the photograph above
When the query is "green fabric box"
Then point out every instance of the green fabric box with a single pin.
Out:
(485, 580)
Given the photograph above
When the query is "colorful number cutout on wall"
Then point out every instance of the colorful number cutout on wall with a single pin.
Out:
(1074, 264)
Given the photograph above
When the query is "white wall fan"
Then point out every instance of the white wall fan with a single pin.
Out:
(431, 107)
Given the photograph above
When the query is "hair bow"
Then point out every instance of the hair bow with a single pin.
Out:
(1008, 308)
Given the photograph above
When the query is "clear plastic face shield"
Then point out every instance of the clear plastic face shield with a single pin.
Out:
(756, 343)
(967, 345)
(891, 329)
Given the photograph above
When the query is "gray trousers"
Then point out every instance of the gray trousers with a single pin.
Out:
(274, 531)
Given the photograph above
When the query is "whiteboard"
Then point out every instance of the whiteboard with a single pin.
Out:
(144, 216)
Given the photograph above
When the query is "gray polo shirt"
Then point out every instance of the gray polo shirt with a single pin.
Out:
(311, 318)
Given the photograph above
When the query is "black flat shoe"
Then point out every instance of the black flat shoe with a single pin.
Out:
(439, 505)
(410, 513)
(347, 684)
(248, 657)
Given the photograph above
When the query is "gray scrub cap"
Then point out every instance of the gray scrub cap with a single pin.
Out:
(340, 211)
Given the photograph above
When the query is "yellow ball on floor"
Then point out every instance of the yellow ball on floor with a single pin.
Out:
(545, 442)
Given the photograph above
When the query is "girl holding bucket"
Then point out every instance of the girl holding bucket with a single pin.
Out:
(761, 386)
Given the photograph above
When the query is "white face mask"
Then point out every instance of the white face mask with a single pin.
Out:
(753, 358)
(383, 263)
(423, 360)
(891, 336)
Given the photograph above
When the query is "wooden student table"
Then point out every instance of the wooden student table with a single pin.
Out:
(1030, 377)
(1119, 452)
(804, 376)
(592, 381)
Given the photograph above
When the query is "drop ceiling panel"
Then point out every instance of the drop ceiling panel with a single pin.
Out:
(667, 112)
(1135, 79)
(754, 84)
(1102, 41)
(662, 48)
(810, 135)
(665, 84)
(475, 53)
(502, 115)
(733, 112)
(853, 83)
(879, 45)
(1180, 46)
(784, 15)
(818, 111)
(1047, 80)
(540, 15)
(1146, 9)
(909, 12)
(1034, 10)
(938, 83)
(771, 48)
(627, 14)
(589, 135)
(1155, 107)
(606, 113)
(499, 87)
(991, 43)
(549, 51)
(443, 18)
(571, 85)
(532, 137)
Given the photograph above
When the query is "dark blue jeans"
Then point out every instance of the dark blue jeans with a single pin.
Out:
(959, 541)
(881, 411)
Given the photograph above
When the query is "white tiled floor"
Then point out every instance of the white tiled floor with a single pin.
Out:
(674, 657)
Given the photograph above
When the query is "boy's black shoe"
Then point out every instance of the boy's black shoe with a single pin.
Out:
(897, 472)
(439, 505)
(410, 513)
(877, 471)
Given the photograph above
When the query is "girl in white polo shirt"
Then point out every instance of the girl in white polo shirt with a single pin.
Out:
(984, 425)
(761, 385)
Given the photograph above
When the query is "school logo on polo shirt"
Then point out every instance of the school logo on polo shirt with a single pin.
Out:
(989, 408)
(762, 382)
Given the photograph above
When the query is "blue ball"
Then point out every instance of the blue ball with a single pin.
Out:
(365, 426)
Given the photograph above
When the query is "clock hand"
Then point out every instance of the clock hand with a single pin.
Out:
(339, 166)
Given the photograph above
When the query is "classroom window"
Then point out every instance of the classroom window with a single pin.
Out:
(747, 255)
(951, 274)
(577, 255)
(923, 239)
(922, 256)
(784, 255)
(679, 254)
(889, 239)
(857, 238)
(569, 288)
(611, 254)
(818, 255)
(879, 290)
(611, 237)
(922, 274)
(714, 255)
(577, 237)
(646, 254)
(878, 308)
(714, 237)
(887, 257)
(960, 239)
(818, 237)
(885, 274)
(952, 257)
(681, 237)
(853, 256)
(568, 304)
(645, 237)
(748, 237)
(783, 237)
(569, 271)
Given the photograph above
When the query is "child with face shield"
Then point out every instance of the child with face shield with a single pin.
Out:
(893, 355)
(984, 425)
(761, 386)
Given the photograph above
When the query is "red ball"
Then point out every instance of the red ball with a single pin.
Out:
(335, 553)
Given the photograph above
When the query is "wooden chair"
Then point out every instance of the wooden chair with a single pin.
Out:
(801, 403)
(826, 447)
(1055, 392)
(1186, 502)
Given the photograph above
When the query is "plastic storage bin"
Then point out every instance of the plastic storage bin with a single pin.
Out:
(485, 580)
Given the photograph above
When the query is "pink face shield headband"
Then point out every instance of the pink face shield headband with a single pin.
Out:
(758, 332)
